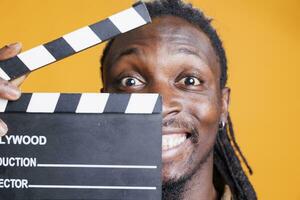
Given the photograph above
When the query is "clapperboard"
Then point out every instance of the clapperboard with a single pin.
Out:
(80, 146)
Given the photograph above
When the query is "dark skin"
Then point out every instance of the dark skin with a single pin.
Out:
(175, 59)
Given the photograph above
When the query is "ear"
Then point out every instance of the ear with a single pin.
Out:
(225, 103)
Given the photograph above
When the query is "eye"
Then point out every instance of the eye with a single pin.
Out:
(190, 81)
(130, 82)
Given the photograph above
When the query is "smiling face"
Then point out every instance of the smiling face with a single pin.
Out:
(175, 59)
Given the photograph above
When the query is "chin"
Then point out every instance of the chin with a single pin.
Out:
(177, 161)
(183, 166)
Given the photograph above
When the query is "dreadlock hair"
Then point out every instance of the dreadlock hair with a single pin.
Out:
(227, 153)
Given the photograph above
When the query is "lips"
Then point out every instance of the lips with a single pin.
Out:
(175, 144)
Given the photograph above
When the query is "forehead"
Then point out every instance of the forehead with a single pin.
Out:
(167, 32)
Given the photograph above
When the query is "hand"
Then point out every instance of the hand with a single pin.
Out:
(10, 89)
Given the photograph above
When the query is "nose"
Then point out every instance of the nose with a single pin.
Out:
(171, 100)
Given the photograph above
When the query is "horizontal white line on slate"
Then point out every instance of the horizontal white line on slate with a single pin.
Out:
(99, 166)
(92, 187)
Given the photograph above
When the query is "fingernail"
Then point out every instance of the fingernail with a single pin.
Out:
(14, 45)
(3, 128)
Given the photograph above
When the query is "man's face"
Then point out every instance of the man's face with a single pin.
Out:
(175, 59)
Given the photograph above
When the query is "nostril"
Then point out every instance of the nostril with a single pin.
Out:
(171, 109)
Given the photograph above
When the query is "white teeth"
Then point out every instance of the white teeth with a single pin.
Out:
(173, 140)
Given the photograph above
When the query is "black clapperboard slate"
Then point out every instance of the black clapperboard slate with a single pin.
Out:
(81, 146)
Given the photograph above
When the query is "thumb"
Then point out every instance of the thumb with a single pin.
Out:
(10, 51)
(18, 81)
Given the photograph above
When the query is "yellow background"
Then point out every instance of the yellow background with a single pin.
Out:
(262, 43)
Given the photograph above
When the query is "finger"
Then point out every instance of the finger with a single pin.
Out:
(18, 81)
(10, 50)
(9, 91)
(3, 128)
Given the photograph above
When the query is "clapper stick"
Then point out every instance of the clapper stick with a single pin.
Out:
(139, 103)
(74, 42)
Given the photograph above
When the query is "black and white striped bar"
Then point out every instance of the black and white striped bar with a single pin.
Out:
(74, 42)
(136, 103)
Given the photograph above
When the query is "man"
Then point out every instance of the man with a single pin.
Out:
(181, 57)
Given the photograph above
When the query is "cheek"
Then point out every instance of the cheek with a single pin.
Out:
(206, 112)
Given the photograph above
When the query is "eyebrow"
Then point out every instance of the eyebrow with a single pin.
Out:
(126, 52)
(136, 51)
